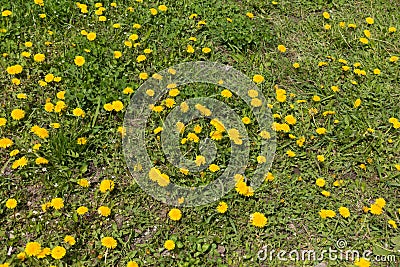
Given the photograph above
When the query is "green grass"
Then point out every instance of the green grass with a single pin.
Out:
(203, 237)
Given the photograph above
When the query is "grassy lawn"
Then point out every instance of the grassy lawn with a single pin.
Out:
(329, 71)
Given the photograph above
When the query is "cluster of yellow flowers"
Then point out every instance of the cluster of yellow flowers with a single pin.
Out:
(16, 69)
(115, 105)
(285, 125)
(34, 249)
(241, 186)
(40, 132)
(157, 176)
(21, 162)
(106, 185)
(395, 122)
(56, 203)
(376, 208)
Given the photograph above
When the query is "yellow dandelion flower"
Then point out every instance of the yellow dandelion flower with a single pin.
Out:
(82, 210)
(222, 207)
(269, 177)
(175, 214)
(320, 182)
(143, 76)
(41, 160)
(79, 61)
(117, 105)
(281, 48)
(39, 57)
(162, 8)
(11, 203)
(392, 223)
(17, 114)
(213, 168)
(344, 212)
(81, 141)
(127, 90)
(153, 11)
(357, 103)
(393, 58)
(200, 160)
(117, 54)
(104, 211)
(3, 121)
(109, 242)
(91, 36)
(106, 185)
(78, 112)
(6, 142)
(258, 219)
(70, 240)
(258, 78)
(369, 20)
(226, 93)
(57, 203)
(169, 244)
(375, 209)
(32, 248)
(206, 50)
(132, 264)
